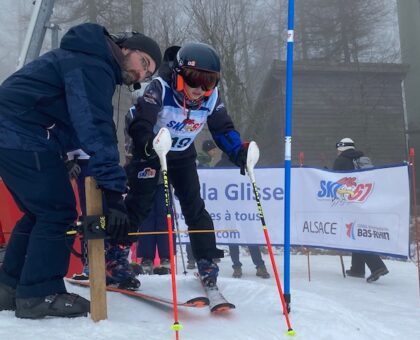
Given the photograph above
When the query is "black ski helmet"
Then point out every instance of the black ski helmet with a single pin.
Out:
(198, 56)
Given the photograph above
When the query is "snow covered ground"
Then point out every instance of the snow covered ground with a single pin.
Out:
(327, 307)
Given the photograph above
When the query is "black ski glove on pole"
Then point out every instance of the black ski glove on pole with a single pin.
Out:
(118, 224)
(242, 156)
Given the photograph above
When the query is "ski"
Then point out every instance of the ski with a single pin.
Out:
(218, 303)
(197, 302)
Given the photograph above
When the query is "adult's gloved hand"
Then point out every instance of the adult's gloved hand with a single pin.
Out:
(242, 156)
(73, 169)
(118, 224)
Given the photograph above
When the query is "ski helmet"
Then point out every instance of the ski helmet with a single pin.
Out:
(345, 144)
(198, 56)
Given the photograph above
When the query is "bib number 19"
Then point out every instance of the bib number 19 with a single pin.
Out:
(180, 142)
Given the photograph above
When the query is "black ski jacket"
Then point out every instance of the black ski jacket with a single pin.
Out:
(345, 160)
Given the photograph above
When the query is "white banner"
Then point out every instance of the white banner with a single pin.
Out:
(363, 210)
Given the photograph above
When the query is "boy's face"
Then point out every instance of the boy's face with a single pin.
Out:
(197, 82)
(194, 93)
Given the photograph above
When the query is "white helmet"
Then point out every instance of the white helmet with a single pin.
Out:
(345, 144)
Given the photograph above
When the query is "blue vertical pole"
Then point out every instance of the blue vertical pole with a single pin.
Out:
(288, 150)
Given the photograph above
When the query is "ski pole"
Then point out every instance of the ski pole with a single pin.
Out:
(177, 232)
(342, 266)
(301, 160)
(162, 144)
(252, 158)
(201, 231)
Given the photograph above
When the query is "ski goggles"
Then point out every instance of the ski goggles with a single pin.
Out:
(340, 144)
(197, 78)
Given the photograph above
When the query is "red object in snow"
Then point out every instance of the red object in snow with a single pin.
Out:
(9, 213)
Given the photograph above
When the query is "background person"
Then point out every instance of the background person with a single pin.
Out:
(254, 250)
(346, 154)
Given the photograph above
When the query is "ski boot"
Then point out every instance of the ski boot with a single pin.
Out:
(377, 274)
(350, 272)
(136, 268)
(119, 273)
(130, 283)
(147, 266)
(237, 272)
(191, 264)
(80, 277)
(208, 271)
(83, 276)
(164, 268)
(7, 297)
(262, 272)
(60, 305)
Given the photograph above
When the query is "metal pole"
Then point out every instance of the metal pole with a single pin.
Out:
(288, 150)
(36, 31)
(54, 35)
(177, 231)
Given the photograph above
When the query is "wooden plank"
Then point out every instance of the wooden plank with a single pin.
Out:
(96, 256)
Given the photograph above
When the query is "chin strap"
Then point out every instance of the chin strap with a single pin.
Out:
(186, 97)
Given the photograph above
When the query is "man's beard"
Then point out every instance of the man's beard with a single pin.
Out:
(129, 77)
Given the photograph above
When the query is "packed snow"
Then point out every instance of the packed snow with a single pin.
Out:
(328, 306)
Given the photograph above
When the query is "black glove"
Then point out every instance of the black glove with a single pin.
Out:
(242, 156)
(149, 152)
(118, 224)
(73, 169)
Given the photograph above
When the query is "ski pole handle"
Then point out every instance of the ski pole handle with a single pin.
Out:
(251, 159)
(162, 144)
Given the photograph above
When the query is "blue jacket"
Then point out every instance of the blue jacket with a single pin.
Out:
(62, 101)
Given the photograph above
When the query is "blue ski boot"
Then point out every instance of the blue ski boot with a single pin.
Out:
(208, 271)
(118, 270)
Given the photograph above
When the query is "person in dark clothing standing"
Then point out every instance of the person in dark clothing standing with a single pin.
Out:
(254, 250)
(183, 100)
(148, 244)
(207, 156)
(347, 153)
(59, 102)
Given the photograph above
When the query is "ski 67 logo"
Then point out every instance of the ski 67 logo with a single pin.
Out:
(345, 190)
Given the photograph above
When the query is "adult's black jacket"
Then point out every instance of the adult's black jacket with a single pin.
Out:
(345, 160)
(62, 101)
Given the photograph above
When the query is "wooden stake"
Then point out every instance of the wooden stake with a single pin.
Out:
(96, 255)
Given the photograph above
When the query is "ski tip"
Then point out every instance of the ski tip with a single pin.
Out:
(291, 332)
(199, 302)
(222, 308)
(77, 282)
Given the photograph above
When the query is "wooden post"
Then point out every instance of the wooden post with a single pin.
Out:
(96, 255)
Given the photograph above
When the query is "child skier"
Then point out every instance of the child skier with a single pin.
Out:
(182, 99)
